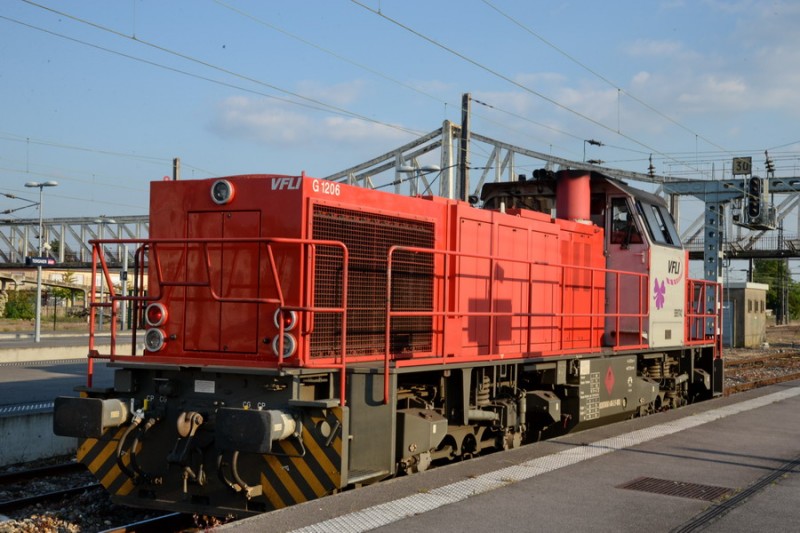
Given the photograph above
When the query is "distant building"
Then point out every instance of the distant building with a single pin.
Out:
(746, 318)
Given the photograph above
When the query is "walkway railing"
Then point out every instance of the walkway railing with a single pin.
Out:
(148, 259)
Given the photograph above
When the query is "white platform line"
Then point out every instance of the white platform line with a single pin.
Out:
(25, 407)
(386, 513)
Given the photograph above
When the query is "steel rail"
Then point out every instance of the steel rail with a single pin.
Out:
(159, 524)
(761, 361)
(28, 474)
(21, 503)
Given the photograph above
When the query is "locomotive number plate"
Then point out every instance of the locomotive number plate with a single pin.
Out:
(326, 187)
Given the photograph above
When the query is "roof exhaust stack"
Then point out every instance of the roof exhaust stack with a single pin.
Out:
(573, 195)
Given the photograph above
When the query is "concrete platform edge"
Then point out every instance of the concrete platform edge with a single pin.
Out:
(358, 506)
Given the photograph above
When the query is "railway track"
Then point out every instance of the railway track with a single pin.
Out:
(29, 474)
(46, 497)
(751, 373)
(17, 486)
(785, 358)
(66, 497)
(39, 498)
(160, 524)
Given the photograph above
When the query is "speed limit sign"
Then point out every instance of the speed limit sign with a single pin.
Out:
(742, 165)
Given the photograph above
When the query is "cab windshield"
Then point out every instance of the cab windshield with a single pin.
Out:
(660, 225)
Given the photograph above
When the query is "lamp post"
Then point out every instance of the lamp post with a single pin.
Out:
(37, 328)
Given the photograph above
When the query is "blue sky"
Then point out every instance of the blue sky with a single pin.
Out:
(100, 95)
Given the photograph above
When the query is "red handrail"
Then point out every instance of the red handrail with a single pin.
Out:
(156, 270)
(448, 254)
(703, 312)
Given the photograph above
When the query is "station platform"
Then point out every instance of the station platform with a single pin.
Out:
(20, 347)
(726, 465)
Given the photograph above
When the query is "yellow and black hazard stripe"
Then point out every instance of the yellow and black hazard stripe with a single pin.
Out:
(309, 469)
(100, 457)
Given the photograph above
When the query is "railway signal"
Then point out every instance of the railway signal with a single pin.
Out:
(754, 193)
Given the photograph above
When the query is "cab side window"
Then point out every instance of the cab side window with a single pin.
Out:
(623, 226)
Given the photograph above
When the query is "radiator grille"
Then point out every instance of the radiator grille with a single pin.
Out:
(368, 238)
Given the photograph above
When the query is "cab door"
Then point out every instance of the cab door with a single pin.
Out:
(628, 255)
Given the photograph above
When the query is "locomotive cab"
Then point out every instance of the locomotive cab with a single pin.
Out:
(640, 239)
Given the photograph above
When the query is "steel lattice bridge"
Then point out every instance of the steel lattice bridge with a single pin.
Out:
(407, 170)
(68, 239)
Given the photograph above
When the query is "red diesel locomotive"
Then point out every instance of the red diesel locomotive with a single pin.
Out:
(302, 336)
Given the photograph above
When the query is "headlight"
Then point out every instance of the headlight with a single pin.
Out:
(289, 345)
(222, 192)
(154, 339)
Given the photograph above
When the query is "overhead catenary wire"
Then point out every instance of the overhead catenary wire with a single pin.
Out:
(693, 166)
(508, 79)
(90, 201)
(665, 155)
(53, 144)
(601, 77)
(402, 84)
(62, 176)
(157, 160)
(371, 70)
(186, 57)
(553, 128)
(311, 104)
(325, 107)
(328, 51)
(594, 72)
(176, 70)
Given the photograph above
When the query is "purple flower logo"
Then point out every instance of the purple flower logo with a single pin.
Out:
(658, 293)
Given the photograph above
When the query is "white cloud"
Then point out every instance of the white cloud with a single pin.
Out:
(585, 98)
(599, 104)
(713, 93)
(272, 123)
(516, 102)
(748, 65)
(640, 78)
(340, 94)
(244, 118)
(351, 130)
